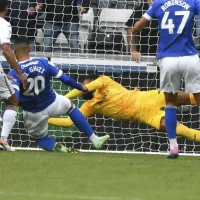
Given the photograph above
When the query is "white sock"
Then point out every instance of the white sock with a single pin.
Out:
(173, 143)
(9, 119)
(93, 138)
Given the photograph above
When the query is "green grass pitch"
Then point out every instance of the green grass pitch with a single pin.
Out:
(28, 175)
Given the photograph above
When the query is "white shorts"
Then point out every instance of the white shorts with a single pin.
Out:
(6, 88)
(173, 69)
(37, 123)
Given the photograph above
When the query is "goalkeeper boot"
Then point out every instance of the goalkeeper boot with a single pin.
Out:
(173, 153)
(5, 146)
(61, 148)
(100, 141)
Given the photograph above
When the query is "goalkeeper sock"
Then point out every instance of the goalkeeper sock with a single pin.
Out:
(171, 123)
(82, 124)
(190, 134)
(47, 143)
(9, 119)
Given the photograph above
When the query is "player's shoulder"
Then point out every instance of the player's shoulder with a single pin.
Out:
(3, 22)
(105, 78)
(46, 62)
(40, 61)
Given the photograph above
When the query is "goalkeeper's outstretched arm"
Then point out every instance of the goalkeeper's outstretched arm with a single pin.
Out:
(92, 86)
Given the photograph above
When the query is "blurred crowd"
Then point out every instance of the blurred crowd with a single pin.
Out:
(54, 17)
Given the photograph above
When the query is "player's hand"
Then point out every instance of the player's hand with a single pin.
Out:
(23, 79)
(136, 55)
(85, 89)
(83, 10)
(39, 7)
(31, 10)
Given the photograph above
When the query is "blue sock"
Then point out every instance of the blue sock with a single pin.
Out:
(47, 143)
(80, 122)
(171, 121)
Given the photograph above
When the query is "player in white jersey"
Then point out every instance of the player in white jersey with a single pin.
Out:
(6, 90)
(177, 56)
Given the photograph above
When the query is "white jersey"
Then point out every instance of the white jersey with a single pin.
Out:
(6, 88)
(5, 31)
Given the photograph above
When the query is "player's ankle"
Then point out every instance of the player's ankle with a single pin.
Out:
(4, 139)
(93, 138)
(174, 150)
(173, 143)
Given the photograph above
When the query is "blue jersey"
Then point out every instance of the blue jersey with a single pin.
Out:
(38, 95)
(175, 20)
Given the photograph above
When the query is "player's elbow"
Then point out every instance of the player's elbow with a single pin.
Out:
(6, 48)
(139, 25)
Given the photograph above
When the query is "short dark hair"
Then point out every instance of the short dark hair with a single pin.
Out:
(21, 44)
(3, 5)
(21, 40)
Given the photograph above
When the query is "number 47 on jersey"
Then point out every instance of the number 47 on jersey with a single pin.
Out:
(169, 23)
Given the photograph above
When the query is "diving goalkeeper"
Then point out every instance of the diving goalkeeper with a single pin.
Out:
(109, 98)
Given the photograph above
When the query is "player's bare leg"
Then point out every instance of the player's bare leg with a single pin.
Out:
(182, 130)
(9, 119)
(184, 99)
(171, 123)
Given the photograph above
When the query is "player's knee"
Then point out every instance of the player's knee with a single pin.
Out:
(47, 143)
(12, 101)
(71, 108)
(162, 124)
(11, 107)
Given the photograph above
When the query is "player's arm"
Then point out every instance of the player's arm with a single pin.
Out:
(132, 41)
(57, 73)
(67, 122)
(7, 51)
(92, 86)
(146, 18)
(131, 38)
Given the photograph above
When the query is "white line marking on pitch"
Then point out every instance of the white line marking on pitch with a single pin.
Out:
(63, 196)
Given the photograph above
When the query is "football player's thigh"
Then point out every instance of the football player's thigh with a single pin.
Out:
(6, 88)
(36, 124)
(60, 106)
(170, 76)
(155, 99)
(191, 74)
(155, 119)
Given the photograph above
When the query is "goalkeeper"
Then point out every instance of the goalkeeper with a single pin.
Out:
(109, 98)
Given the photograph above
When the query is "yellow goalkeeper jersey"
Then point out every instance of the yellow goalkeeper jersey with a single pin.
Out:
(110, 99)
(113, 100)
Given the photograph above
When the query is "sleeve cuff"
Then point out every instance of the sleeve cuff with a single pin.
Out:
(5, 42)
(60, 72)
(16, 87)
(147, 17)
